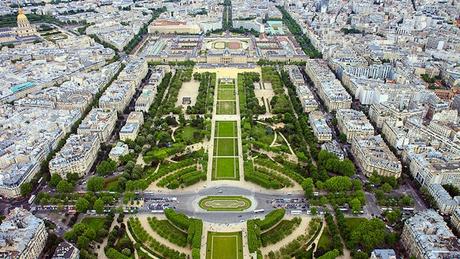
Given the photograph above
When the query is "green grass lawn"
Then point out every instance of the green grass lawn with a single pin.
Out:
(352, 223)
(224, 245)
(225, 203)
(225, 147)
(111, 185)
(226, 107)
(226, 129)
(226, 94)
(325, 240)
(263, 134)
(94, 222)
(226, 86)
(225, 169)
(187, 133)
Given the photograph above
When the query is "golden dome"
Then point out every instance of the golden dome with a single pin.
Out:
(21, 15)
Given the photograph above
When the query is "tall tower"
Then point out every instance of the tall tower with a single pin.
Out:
(24, 28)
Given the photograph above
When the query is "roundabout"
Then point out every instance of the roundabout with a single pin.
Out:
(225, 203)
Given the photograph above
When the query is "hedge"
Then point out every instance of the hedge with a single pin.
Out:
(280, 231)
(166, 230)
(178, 219)
(271, 219)
(141, 236)
(111, 253)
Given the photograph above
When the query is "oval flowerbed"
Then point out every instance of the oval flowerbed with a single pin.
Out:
(225, 203)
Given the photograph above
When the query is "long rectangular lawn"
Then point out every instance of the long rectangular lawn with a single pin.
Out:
(225, 169)
(226, 94)
(224, 245)
(225, 147)
(226, 107)
(226, 129)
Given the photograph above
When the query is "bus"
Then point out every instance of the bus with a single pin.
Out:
(31, 199)
(296, 212)
(259, 211)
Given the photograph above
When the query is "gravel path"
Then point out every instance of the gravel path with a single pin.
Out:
(300, 230)
(146, 225)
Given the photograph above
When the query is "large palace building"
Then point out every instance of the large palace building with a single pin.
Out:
(23, 32)
(222, 49)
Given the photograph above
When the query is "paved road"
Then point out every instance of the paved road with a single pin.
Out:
(188, 203)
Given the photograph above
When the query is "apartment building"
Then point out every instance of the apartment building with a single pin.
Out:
(427, 236)
(330, 90)
(373, 155)
(76, 156)
(118, 95)
(319, 126)
(22, 235)
(66, 250)
(446, 203)
(100, 122)
(353, 123)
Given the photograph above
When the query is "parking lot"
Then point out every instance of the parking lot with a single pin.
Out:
(158, 204)
(290, 203)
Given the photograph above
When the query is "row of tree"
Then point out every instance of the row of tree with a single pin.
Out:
(205, 98)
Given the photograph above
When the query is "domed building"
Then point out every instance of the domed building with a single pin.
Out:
(24, 28)
(24, 32)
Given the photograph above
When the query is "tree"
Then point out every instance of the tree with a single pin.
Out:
(386, 187)
(375, 179)
(330, 255)
(338, 184)
(55, 179)
(308, 187)
(99, 206)
(95, 184)
(82, 205)
(90, 234)
(369, 234)
(64, 187)
(314, 211)
(106, 167)
(355, 205)
(360, 255)
(126, 251)
(82, 242)
(379, 194)
(25, 189)
(393, 216)
(406, 200)
(343, 137)
(72, 177)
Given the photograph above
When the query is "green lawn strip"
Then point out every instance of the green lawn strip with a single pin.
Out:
(283, 170)
(241, 94)
(225, 169)
(187, 133)
(151, 245)
(165, 229)
(226, 107)
(169, 168)
(224, 207)
(226, 94)
(95, 223)
(224, 245)
(280, 231)
(353, 223)
(284, 181)
(226, 86)
(264, 178)
(225, 147)
(226, 128)
(325, 240)
(175, 175)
